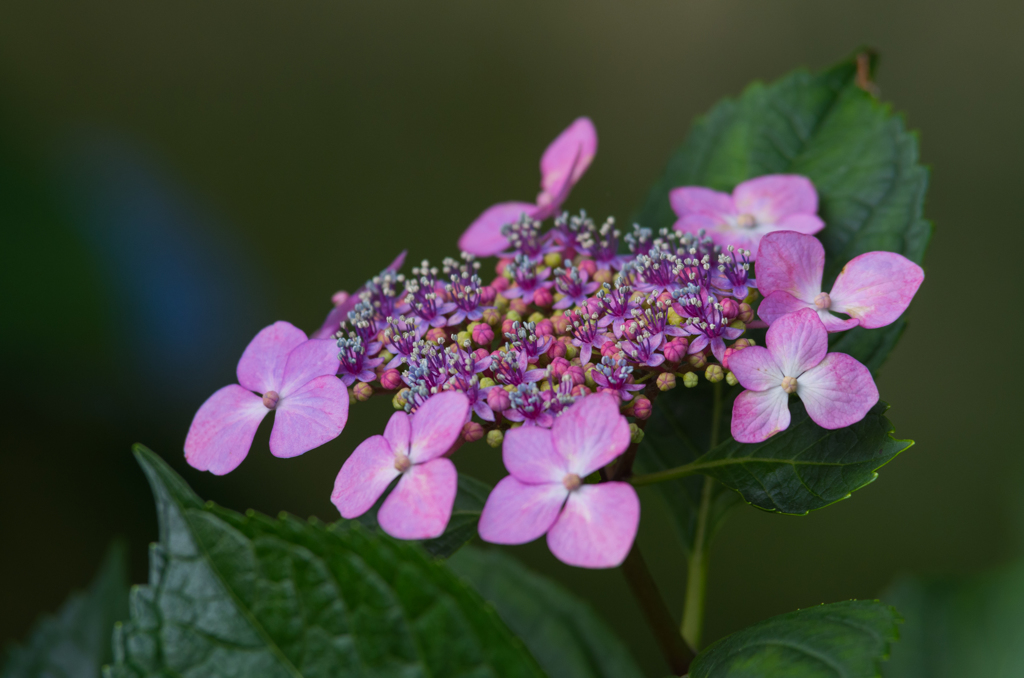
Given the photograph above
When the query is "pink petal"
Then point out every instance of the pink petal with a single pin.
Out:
(308, 360)
(398, 432)
(421, 504)
(529, 454)
(693, 223)
(758, 415)
(876, 288)
(436, 425)
(222, 430)
(483, 237)
(591, 433)
(772, 197)
(309, 417)
(688, 200)
(755, 368)
(363, 477)
(797, 341)
(261, 368)
(778, 304)
(790, 262)
(563, 163)
(838, 392)
(808, 224)
(834, 323)
(597, 526)
(518, 512)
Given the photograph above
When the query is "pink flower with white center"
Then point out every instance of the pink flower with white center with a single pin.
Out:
(587, 525)
(836, 389)
(561, 166)
(289, 374)
(413, 447)
(874, 289)
(774, 202)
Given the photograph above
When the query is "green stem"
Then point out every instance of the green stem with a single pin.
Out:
(697, 571)
(641, 583)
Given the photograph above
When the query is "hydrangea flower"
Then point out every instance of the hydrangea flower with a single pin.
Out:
(874, 289)
(345, 302)
(774, 202)
(412, 447)
(587, 525)
(561, 166)
(836, 389)
(290, 375)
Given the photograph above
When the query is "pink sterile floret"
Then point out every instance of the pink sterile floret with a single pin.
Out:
(588, 525)
(561, 166)
(874, 289)
(412, 447)
(291, 375)
(756, 207)
(836, 389)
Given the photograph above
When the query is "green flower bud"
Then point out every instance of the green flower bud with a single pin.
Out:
(714, 374)
(553, 259)
(513, 316)
(495, 437)
(399, 400)
(486, 382)
(731, 379)
(536, 317)
(636, 434)
(697, 361)
(666, 381)
(690, 379)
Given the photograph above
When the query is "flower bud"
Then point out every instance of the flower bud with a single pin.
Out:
(690, 379)
(501, 303)
(339, 297)
(557, 349)
(560, 322)
(519, 306)
(636, 434)
(495, 437)
(588, 266)
(714, 373)
(575, 373)
(483, 335)
(502, 264)
(545, 385)
(742, 343)
(500, 284)
(553, 259)
(731, 379)
(487, 382)
(391, 379)
(398, 402)
(697, 360)
(559, 366)
(666, 381)
(673, 318)
(609, 348)
(472, 432)
(588, 375)
(675, 350)
(436, 333)
(581, 391)
(487, 295)
(480, 354)
(730, 309)
(361, 392)
(514, 316)
(492, 316)
(545, 328)
(507, 325)
(570, 351)
(746, 313)
(465, 337)
(543, 298)
(498, 400)
(641, 407)
(603, 276)
(386, 356)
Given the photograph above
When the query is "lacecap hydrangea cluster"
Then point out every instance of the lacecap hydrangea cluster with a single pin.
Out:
(557, 356)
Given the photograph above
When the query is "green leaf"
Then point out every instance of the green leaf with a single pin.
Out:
(566, 636)
(960, 627)
(75, 642)
(841, 640)
(250, 596)
(677, 433)
(806, 466)
(859, 154)
(469, 504)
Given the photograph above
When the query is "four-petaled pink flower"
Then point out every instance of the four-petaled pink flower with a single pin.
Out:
(561, 166)
(588, 525)
(412, 447)
(836, 389)
(874, 289)
(774, 202)
(293, 376)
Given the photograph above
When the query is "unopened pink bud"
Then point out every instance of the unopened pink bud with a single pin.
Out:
(730, 309)
(746, 313)
(483, 334)
(339, 297)
(519, 306)
(728, 354)
(500, 267)
(472, 432)
(436, 333)
(580, 391)
(560, 323)
(559, 366)
(675, 350)
(487, 295)
(666, 381)
(589, 267)
(362, 392)
(498, 400)
(545, 328)
(270, 399)
(480, 354)
(543, 298)
(641, 407)
(742, 344)
(576, 372)
(500, 284)
(391, 379)
(506, 326)
(557, 350)
(630, 328)
(609, 349)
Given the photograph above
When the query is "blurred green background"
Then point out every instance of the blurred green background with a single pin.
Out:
(175, 176)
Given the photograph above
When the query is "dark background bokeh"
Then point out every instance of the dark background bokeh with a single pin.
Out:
(174, 176)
